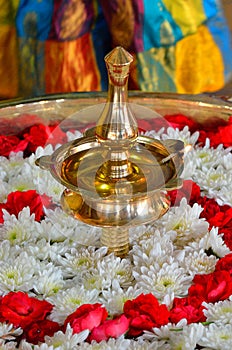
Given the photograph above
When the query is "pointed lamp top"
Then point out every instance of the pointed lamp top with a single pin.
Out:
(118, 65)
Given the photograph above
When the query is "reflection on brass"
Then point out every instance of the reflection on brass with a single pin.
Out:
(115, 178)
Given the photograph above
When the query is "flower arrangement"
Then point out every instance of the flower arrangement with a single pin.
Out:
(59, 289)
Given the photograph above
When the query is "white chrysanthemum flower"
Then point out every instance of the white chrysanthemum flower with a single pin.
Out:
(111, 344)
(188, 338)
(218, 337)
(154, 246)
(67, 301)
(135, 233)
(224, 196)
(49, 280)
(67, 340)
(42, 151)
(170, 278)
(141, 344)
(71, 136)
(8, 252)
(79, 261)
(11, 167)
(184, 220)
(24, 345)
(20, 230)
(21, 183)
(50, 232)
(18, 274)
(115, 298)
(4, 191)
(154, 134)
(116, 269)
(63, 225)
(45, 183)
(176, 336)
(95, 279)
(208, 157)
(163, 333)
(219, 313)
(190, 165)
(212, 242)
(198, 262)
(226, 158)
(211, 180)
(183, 135)
(8, 346)
(8, 332)
(44, 250)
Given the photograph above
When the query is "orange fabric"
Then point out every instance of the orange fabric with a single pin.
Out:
(9, 62)
(65, 60)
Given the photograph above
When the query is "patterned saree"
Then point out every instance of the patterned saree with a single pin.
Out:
(53, 46)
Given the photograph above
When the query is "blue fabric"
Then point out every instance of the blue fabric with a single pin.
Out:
(159, 29)
(34, 18)
(218, 28)
(101, 42)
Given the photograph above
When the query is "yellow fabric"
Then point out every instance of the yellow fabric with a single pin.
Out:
(187, 14)
(8, 9)
(199, 66)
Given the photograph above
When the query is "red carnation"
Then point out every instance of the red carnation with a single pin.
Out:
(36, 331)
(21, 310)
(189, 308)
(10, 144)
(225, 263)
(145, 313)
(39, 135)
(190, 190)
(16, 201)
(180, 121)
(218, 216)
(218, 133)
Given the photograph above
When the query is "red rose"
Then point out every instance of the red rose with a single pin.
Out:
(180, 121)
(86, 316)
(110, 329)
(190, 190)
(39, 135)
(36, 331)
(223, 219)
(18, 200)
(189, 308)
(145, 313)
(21, 310)
(11, 144)
(212, 287)
(225, 263)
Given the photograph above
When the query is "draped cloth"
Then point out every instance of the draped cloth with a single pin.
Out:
(53, 46)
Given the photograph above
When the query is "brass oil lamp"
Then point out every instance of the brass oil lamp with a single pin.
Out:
(114, 178)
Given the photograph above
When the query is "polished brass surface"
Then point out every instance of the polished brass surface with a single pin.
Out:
(115, 178)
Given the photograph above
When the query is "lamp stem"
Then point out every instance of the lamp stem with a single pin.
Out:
(116, 239)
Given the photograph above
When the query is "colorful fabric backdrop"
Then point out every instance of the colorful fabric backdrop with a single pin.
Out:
(52, 46)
